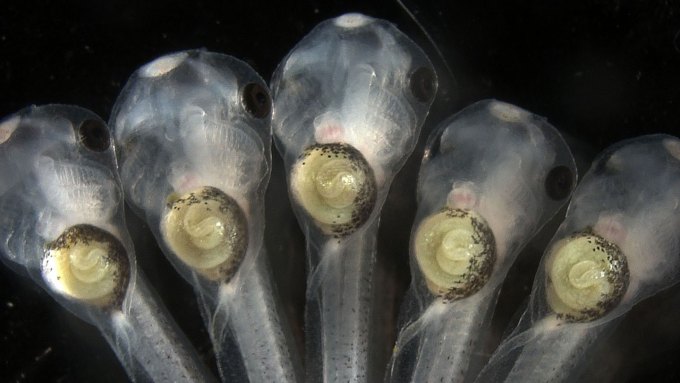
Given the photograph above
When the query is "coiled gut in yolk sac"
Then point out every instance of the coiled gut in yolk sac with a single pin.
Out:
(456, 251)
(587, 276)
(336, 187)
(208, 231)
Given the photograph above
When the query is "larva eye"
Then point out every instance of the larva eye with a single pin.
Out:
(208, 231)
(455, 250)
(336, 186)
(88, 264)
(423, 84)
(559, 182)
(256, 100)
(587, 277)
(94, 135)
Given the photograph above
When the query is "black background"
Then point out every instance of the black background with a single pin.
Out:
(600, 71)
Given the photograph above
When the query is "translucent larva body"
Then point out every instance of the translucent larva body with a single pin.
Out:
(62, 218)
(349, 100)
(617, 245)
(195, 155)
(487, 184)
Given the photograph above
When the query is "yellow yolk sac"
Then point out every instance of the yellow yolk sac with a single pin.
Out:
(455, 250)
(88, 264)
(335, 185)
(207, 230)
(587, 277)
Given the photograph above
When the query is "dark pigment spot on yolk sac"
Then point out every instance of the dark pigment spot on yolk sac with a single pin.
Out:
(336, 186)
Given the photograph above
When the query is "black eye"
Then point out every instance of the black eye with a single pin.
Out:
(256, 100)
(559, 182)
(422, 84)
(94, 135)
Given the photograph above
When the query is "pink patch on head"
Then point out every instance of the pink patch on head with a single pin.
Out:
(610, 228)
(461, 197)
(329, 132)
(187, 181)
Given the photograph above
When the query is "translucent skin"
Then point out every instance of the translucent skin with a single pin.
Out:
(352, 80)
(51, 180)
(185, 121)
(630, 197)
(495, 159)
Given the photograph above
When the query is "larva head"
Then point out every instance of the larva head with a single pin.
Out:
(87, 264)
(207, 230)
(586, 277)
(335, 186)
(191, 119)
(354, 80)
(455, 251)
